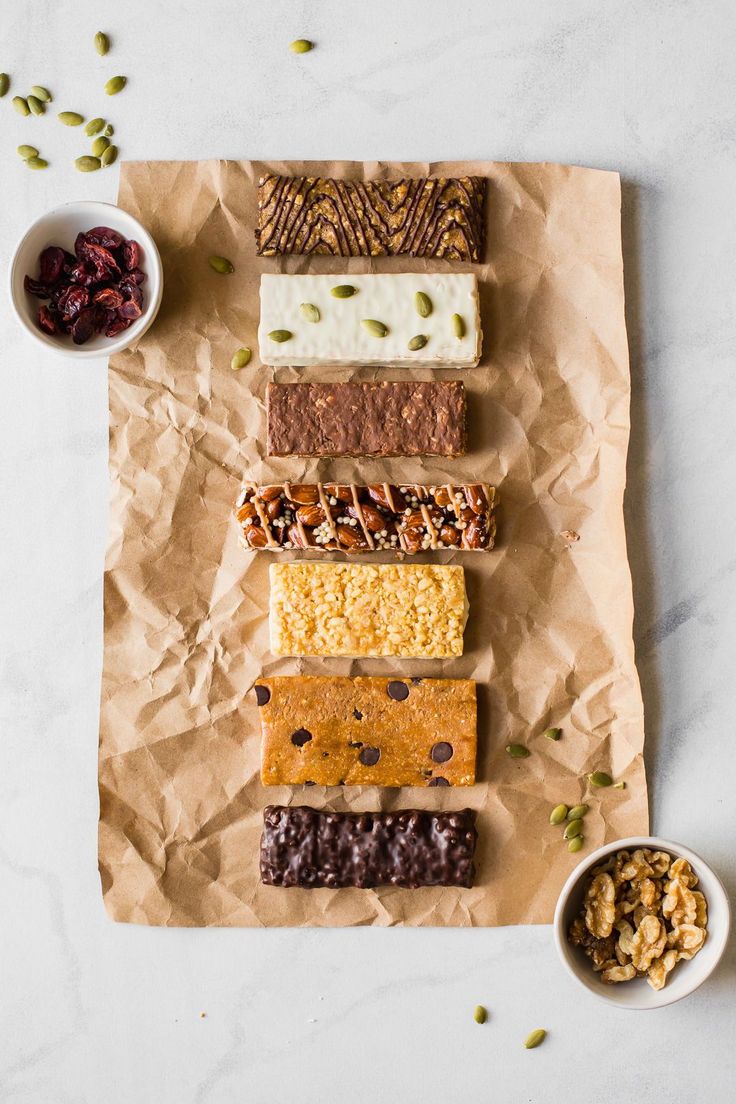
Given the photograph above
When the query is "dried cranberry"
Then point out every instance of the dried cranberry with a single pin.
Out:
(79, 243)
(72, 300)
(109, 297)
(131, 255)
(46, 321)
(82, 274)
(131, 291)
(83, 326)
(105, 236)
(117, 326)
(136, 276)
(130, 309)
(51, 263)
(102, 260)
(33, 287)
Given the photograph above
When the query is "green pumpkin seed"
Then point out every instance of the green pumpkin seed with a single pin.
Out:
(375, 328)
(458, 326)
(558, 814)
(240, 359)
(222, 265)
(109, 130)
(535, 1038)
(577, 812)
(343, 291)
(26, 152)
(102, 43)
(553, 733)
(518, 751)
(88, 164)
(418, 342)
(21, 105)
(37, 106)
(309, 312)
(575, 844)
(280, 336)
(94, 126)
(480, 1015)
(37, 163)
(600, 778)
(619, 785)
(423, 304)
(301, 46)
(4, 83)
(109, 156)
(573, 829)
(100, 145)
(42, 93)
(115, 85)
(70, 118)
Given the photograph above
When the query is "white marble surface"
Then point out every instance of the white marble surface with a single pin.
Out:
(93, 1012)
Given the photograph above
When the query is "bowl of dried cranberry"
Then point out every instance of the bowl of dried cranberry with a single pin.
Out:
(86, 279)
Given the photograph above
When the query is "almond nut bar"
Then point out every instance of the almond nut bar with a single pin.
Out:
(335, 731)
(410, 848)
(437, 217)
(350, 609)
(335, 517)
(404, 418)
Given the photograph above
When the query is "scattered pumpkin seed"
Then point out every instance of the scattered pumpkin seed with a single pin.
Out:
(222, 265)
(26, 152)
(42, 93)
(553, 733)
(418, 342)
(109, 130)
(301, 46)
(280, 336)
(573, 829)
(535, 1038)
(70, 118)
(88, 164)
(309, 312)
(21, 105)
(109, 156)
(100, 145)
(240, 359)
(480, 1015)
(4, 83)
(94, 126)
(115, 85)
(37, 163)
(600, 778)
(518, 751)
(458, 326)
(577, 812)
(558, 814)
(102, 43)
(375, 328)
(343, 291)
(423, 304)
(36, 106)
(575, 844)
(619, 785)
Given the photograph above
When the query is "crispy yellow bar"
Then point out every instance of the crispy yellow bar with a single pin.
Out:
(348, 609)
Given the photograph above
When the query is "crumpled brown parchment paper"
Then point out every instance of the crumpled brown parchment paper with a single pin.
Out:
(549, 637)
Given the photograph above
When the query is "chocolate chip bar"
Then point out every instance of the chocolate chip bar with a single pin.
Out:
(336, 517)
(378, 319)
(366, 419)
(367, 731)
(371, 218)
(350, 609)
(410, 848)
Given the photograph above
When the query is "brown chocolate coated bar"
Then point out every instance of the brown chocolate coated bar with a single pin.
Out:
(336, 517)
(366, 419)
(410, 848)
(367, 731)
(433, 217)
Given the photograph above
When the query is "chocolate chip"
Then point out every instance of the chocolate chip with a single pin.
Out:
(441, 752)
(399, 691)
(310, 783)
(438, 782)
(325, 755)
(416, 680)
(263, 695)
(355, 743)
(358, 715)
(369, 756)
(301, 737)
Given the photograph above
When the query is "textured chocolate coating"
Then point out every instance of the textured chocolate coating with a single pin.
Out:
(371, 218)
(404, 418)
(409, 848)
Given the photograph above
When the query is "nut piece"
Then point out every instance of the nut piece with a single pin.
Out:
(618, 973)
(600, 912)
(648, 943)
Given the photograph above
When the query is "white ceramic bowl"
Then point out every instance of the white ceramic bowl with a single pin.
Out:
(60, 227)
(686, 976)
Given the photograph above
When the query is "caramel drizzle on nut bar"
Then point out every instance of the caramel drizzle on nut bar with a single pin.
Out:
(335, 517)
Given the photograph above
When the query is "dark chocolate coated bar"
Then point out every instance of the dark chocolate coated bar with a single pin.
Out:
(409, 848)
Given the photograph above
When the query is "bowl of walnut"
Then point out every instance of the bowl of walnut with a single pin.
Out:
(642, 922)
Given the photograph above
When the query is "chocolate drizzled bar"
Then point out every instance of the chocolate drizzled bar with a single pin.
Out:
(336, 517)
(409, 848)
(371, 218)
